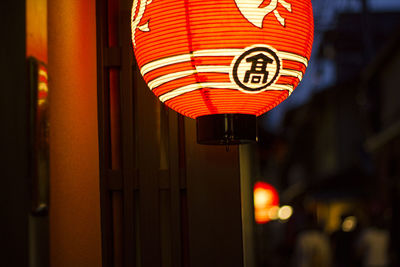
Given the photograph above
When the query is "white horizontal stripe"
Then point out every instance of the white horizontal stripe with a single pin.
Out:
(293, 57)
(281, 87)
(180, 91)
(212, 52)
(169, 77)
(218, 52)
(181, 74)
(164, 62)
(213, 69)
(197, 86)
(292, 73)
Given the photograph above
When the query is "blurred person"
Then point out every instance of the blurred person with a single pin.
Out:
(343, 242)
(312, 248)
(373, 244)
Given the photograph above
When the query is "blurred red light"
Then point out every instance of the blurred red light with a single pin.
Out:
(266, 200)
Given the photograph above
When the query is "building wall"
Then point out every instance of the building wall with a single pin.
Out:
(74, 191)
(391, 94)
(14, 164)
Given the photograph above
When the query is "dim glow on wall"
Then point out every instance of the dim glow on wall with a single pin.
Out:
(205, 57)
(266, 203)
(36, 29)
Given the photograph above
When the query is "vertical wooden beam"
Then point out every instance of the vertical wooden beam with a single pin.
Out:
(214, 208)
(104, 130)
(247, 174)
(148, 158)
(128, 136)
(174, 172)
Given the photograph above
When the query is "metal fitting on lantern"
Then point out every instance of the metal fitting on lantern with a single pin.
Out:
(226, 129)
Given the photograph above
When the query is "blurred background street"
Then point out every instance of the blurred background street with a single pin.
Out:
(332, 149)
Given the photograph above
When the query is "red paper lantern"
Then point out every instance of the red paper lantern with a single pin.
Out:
(266, 202)
(234, 57)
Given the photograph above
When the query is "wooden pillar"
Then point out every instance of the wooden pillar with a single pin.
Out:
(75, 237)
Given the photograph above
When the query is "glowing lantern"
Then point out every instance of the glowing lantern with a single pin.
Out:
(266, 201)
(222, 62)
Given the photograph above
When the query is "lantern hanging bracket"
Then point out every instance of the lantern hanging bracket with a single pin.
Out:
(226, 129)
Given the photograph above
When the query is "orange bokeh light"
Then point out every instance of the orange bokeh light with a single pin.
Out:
(266, 201)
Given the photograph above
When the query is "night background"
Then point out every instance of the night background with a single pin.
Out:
(103, 174)
(332, 148)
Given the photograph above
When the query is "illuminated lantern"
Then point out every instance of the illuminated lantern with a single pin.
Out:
(222, 62)
(266, 202)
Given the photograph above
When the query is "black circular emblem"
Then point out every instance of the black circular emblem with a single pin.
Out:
(256, 69)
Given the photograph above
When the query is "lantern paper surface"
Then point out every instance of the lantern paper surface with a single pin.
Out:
(203, 57)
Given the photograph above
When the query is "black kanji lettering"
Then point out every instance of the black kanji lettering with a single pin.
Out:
(258, 70)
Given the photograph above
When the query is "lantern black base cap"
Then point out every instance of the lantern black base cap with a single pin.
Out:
(226, 129)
